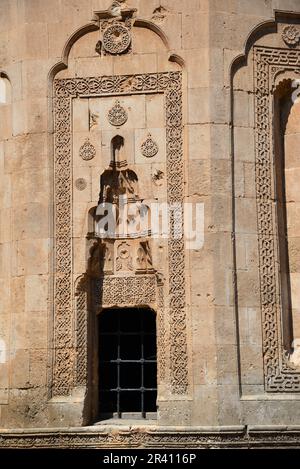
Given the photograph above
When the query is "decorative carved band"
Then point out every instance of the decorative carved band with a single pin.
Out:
(64, 343)
(279, 376)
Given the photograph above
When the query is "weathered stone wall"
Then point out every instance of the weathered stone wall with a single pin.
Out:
(223, 303)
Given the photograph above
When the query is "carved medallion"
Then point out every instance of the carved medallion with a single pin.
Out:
(87, 151)
(117, 115)
(149, 147)
(291, 35)
(116, 39)
(80, 184)
(280, 376)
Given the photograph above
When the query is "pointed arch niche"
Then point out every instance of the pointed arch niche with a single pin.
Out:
(99, 102)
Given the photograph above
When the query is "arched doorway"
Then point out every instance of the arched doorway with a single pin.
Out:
(127, 363)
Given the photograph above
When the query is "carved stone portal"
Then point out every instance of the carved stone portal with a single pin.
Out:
(116, 28)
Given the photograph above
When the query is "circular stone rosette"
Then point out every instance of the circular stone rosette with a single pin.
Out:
(116, 39)
(291, 35)
(80, 184)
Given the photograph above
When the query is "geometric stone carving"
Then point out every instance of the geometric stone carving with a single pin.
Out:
(149, 147)
(87, 151)
(169, 83)
(280, 376)
(116, 39)
(161, 438)
(291, 35)
(117, 115)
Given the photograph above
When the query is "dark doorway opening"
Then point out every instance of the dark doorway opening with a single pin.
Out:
(127, 363)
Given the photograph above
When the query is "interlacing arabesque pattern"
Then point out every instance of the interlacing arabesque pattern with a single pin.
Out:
(162, 335)
(279, 376)
(66, 89)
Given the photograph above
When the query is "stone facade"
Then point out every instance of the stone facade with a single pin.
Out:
(200, 94)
